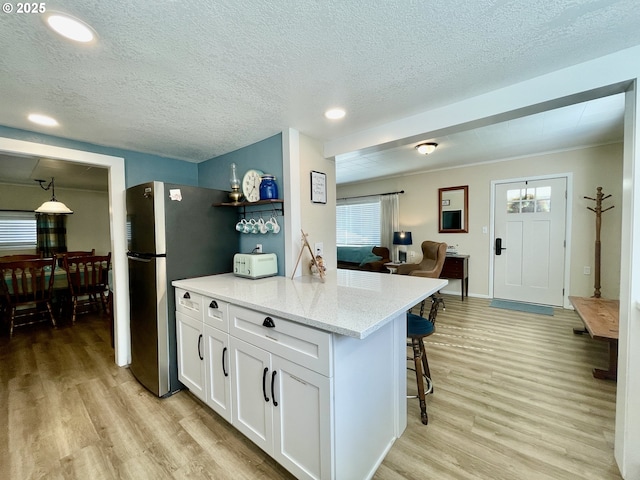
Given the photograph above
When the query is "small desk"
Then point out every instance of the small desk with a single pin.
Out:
(600, 317)
(457, 267)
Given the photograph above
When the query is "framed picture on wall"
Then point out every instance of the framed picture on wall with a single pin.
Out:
(318, 187)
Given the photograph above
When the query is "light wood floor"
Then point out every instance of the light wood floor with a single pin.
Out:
(514, 399)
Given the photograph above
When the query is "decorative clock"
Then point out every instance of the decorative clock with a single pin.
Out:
(251, 185)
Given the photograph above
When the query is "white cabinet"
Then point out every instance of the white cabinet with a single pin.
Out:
(283, 407)
(302, 419)
(323, 405)
(189, 337)
(202, 341)
(252, 413)
(218, 381)
(189, 332)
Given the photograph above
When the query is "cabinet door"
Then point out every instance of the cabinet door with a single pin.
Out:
(301, 419)
(250, 390)
(190, 344)
(218, 380)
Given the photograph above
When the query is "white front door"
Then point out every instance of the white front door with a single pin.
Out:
(529, 246)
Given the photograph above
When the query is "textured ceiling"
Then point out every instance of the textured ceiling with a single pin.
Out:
(194, 79)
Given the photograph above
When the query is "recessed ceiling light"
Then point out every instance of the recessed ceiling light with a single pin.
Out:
(43, 120)
(70, 27)
(335, 114)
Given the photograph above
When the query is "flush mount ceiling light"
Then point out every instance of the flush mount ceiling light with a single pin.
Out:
(70, 27)
(42, 120)
(53, 206)
(426, 148)
(335, 113)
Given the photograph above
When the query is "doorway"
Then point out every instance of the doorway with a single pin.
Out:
(530, 228)
(117, 186)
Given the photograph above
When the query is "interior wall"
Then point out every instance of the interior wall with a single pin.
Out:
(88, 227)
(315, 217)
(265, 155)
(591, 167)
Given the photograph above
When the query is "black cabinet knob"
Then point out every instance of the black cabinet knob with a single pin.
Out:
(268, 322)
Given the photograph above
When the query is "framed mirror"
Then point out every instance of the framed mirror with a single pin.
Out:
(453, 204)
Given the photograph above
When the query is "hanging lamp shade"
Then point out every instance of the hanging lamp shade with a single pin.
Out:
(53, 206)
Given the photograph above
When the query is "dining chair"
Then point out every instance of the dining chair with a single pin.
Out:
(87, 276)
(76, 253)
(27, 287)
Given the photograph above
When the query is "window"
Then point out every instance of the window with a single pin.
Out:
(358, 222)
(529, 200)
(17, 230)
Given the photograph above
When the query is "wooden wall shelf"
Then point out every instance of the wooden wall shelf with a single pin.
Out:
(277, 205)
(249, 204)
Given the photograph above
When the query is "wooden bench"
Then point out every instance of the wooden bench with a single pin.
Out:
(600, 317)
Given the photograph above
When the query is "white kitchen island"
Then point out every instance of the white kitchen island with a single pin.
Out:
(313, 372)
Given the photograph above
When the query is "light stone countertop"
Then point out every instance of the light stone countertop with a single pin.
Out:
(349, 302)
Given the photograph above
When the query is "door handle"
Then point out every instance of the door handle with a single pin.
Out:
(199, 347)
(273, 393)
(499, 247)
(264, 387)
(224, 370)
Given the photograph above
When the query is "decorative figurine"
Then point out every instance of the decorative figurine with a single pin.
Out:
(317, 266)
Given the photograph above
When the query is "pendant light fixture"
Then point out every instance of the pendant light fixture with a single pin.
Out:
(53, 206)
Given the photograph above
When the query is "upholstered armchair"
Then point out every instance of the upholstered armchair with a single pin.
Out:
(433, 254)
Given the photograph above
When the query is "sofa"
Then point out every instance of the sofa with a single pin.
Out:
(367, 258)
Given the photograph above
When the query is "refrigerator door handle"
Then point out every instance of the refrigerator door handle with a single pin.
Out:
(145, 257)
(140, 259)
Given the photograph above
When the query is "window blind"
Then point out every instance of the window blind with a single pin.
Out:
(358, 223)
(17, 230)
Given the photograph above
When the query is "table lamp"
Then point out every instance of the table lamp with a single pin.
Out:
(403, 239)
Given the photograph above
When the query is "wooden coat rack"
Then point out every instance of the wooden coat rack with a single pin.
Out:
(598, 211)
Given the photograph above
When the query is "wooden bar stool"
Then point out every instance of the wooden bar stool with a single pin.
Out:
(418, 328)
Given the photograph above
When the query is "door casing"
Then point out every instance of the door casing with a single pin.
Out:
(567, 259)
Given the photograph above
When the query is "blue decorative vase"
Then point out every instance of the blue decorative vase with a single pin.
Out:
(268, 187)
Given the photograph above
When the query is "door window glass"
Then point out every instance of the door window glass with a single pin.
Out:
(529, 200)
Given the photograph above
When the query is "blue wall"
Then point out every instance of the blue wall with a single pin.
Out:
(265, 155)
(139, 167)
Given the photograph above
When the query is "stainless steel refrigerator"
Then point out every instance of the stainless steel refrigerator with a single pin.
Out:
(173, 232)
